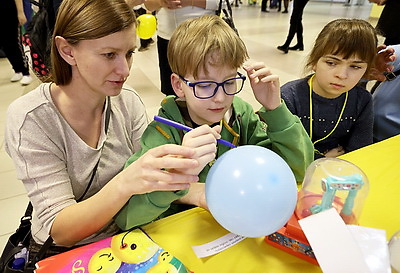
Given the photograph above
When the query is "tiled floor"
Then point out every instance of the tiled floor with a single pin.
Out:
(261, 32)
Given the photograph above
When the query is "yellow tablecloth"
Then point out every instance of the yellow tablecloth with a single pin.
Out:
(381, 164)
(178, 233)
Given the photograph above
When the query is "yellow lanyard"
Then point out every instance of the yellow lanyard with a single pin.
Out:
(310, 83)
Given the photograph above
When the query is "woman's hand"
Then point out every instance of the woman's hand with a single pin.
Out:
(203, 140)
(265, 85)
(150, 172)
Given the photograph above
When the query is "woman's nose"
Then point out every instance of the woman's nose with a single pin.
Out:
(123, 67)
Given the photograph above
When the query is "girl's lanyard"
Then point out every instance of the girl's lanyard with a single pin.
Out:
(310, 83)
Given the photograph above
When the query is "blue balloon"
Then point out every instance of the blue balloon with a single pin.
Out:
(251, 191)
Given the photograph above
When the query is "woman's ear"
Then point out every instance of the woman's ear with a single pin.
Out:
(65, 50)
(177, 85)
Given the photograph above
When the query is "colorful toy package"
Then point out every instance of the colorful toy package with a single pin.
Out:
(131, 251)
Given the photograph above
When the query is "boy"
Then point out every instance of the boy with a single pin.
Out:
(205, 54)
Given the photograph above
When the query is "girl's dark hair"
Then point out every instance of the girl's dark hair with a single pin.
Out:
(347, 38)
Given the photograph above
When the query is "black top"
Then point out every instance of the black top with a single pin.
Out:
(355, 127)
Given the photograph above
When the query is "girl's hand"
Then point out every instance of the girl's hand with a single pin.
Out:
(335, 152)
(265, 85)
(150, 172)
(203, 140)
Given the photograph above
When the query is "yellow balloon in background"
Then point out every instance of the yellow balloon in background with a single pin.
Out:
(146, 26)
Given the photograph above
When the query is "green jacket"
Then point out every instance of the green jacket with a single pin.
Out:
(284, 135)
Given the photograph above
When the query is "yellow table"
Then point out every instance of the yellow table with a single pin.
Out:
(381, 163)
(178, 233)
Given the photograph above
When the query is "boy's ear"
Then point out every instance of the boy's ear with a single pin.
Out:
(177, 85)
(65, 50)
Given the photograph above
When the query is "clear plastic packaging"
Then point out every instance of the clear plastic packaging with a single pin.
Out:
(333, 182)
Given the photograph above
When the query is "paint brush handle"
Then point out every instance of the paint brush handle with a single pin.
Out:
(187, 128)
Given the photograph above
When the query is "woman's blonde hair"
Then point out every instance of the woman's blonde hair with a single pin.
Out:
(79, 20)
(204, 40)
(347, 38)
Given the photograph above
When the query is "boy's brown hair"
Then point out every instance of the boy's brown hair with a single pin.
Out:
(345, 37)
(204, 40)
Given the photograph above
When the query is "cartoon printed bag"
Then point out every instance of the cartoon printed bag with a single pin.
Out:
(131, 251)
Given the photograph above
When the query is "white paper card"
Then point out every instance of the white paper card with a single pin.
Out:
(217, 245)
(333, 244)
(374, 247)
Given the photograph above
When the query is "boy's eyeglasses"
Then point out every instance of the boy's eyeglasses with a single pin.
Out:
(207, 89)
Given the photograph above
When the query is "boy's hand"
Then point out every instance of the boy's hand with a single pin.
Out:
(265, 85)
(204, 141)
(196, 196)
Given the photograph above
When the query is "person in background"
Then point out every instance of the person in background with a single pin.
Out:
(12, 17)
(27, 5)
(144, 43)
(336, 113)
(264, 5)
(170, 14)
(278, 5)
(388, 23)
(69, 139)
(285, 5)
(296, 27)
(386, 101)
(205, 55)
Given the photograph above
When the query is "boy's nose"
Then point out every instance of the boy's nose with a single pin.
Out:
(220, 94)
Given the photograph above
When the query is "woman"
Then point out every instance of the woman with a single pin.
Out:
(63, 133)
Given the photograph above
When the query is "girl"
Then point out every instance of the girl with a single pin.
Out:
(336, 113)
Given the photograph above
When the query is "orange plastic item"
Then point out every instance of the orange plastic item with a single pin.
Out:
(291, 239)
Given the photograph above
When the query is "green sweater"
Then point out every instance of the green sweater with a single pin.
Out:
(284, 135)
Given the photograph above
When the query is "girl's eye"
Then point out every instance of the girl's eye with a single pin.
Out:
(330, 63)
(356, 67)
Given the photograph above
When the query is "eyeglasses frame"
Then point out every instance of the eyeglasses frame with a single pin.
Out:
(193, 84)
